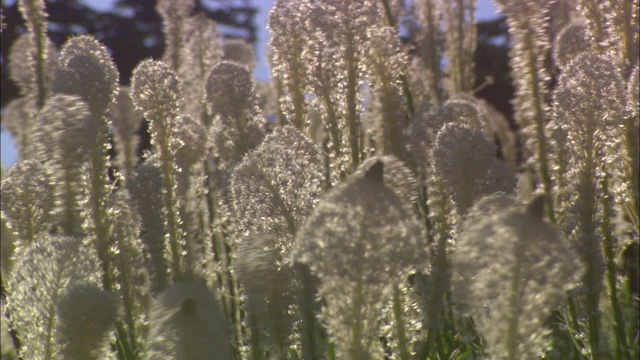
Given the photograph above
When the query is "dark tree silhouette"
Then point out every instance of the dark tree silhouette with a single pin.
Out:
(132, 30)
(492, 61)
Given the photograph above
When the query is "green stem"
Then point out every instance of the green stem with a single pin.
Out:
(99, 212)
(353, 119)
(256, 347)
(622, 349)
(399, 323)
(172, 216)
(539, 123)
(406, 90)
(511, 342)
(306, 304)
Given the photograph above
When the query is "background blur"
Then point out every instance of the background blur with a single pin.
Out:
(132, 30)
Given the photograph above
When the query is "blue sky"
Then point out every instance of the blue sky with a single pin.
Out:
(486, 10)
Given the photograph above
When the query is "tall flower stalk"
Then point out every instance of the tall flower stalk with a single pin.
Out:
(528, 27)
(157, 91)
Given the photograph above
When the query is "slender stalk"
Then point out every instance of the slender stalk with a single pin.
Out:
(403, 344)
(256, 347)
(406, 89)
(99, 212)
(306, 304)
(353, 118)
(172, 216)
(511, 342)
(539, 123)
(622, 349)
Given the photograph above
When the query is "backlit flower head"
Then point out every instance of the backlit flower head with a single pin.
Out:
(27, 199)
(266, 285)
(21, 63)
(156, 90)
(397, 176)
(71, 128)
(87, 70)
(200, 51)
(579, 104)
(239, 51)
(187, 322)
(572, 40)
(512, 270)
(230, 90)
(358, 240)
(45, 271)
(467, 163)
(87, 318)
(276, 186)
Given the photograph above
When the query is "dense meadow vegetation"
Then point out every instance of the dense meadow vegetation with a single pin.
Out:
(363, 205)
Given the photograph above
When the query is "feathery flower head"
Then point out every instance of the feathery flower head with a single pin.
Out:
(199, 53)
(360, 230)
(239, 51)
(579, 104)
(572, 40)
(71, 129)
(87, 318)
(21, 63)
(358, 240)
(265, 283)
(194, 138)
(230, 90)
(428, 121)
(385, 47)
(187, 323)
(466, 110)
(231, 98)
(466, 161)
(87, 70)
(345, 21)
(175, 9)
(44, 272)
(521, 269)
(26, 198)
(276, 186)
(156, 88)
(397, 176)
